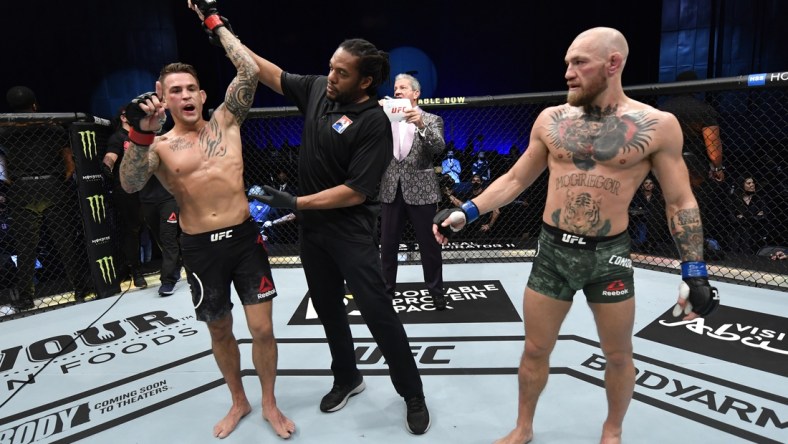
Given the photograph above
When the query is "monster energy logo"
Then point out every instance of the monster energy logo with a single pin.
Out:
(89, 147)
(107, 266)
(97, 209)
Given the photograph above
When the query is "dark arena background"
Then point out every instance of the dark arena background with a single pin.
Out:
(487, 70)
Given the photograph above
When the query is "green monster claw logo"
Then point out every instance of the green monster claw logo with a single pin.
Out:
(107, 266)
(89, 147)
(97, 209)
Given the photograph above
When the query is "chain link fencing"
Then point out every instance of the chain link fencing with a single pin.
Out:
(59, 231)
(740, 238)
(46, 191)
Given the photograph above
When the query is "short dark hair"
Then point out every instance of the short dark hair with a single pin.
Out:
(178, 67)
(20, 99)
(372, 62)
(116, 122)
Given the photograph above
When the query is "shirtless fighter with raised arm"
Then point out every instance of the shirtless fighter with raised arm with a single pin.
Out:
(200, 163)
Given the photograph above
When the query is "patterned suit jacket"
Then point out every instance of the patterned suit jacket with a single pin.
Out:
(416, 172)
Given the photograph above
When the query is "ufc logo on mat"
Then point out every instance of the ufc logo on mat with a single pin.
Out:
(572, 239)
(221, 235)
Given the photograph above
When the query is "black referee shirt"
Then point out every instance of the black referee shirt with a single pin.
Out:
(341, 144)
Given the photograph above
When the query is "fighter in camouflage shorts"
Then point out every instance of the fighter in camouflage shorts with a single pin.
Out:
(566, 262)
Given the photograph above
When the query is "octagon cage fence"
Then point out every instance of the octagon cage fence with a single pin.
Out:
(743, 213)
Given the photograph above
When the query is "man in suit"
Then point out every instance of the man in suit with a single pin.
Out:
(409, 190)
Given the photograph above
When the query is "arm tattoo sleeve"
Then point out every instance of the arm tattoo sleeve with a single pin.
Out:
(240, 93)
(137, 166)
(687, 231)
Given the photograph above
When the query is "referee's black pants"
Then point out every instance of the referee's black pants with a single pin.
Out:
(330, 262)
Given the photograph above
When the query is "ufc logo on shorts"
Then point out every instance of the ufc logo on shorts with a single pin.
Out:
(221, 235)
(572, 239)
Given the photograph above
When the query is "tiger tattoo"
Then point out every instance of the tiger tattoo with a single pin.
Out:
(581, 215)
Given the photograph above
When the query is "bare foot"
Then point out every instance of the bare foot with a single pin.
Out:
(516, 436)
(223, 428)
(281, 424)
(609, 437)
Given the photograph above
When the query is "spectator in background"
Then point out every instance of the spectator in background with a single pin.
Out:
(702, 142)
(258, 211)
(451, 166)
(40, 165)
(409, 191)
(130, 219)
(264, 215)
(647, 215)
(702, 153)
(481, 167)
(446, 185)
(283, 183)
(160, 212)
(748, 213)
(487, 221)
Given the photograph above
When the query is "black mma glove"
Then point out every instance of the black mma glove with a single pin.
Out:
(210, 15)
(275, 198)
(206, 7)
(135, 114)
(703, 297)
(212, 37)
(468, 210)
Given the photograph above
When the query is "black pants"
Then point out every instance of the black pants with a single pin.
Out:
(328, 263)
(162, 219)
(129, 212)
(392, 223)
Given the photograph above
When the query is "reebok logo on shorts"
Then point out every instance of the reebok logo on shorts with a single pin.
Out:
(266, 288)
(615, 288)
(173, 219)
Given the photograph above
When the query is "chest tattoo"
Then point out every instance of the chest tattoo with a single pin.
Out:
(599, 135)
(180, 145)
(212, 140)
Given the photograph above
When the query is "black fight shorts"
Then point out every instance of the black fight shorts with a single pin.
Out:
(217, 258)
